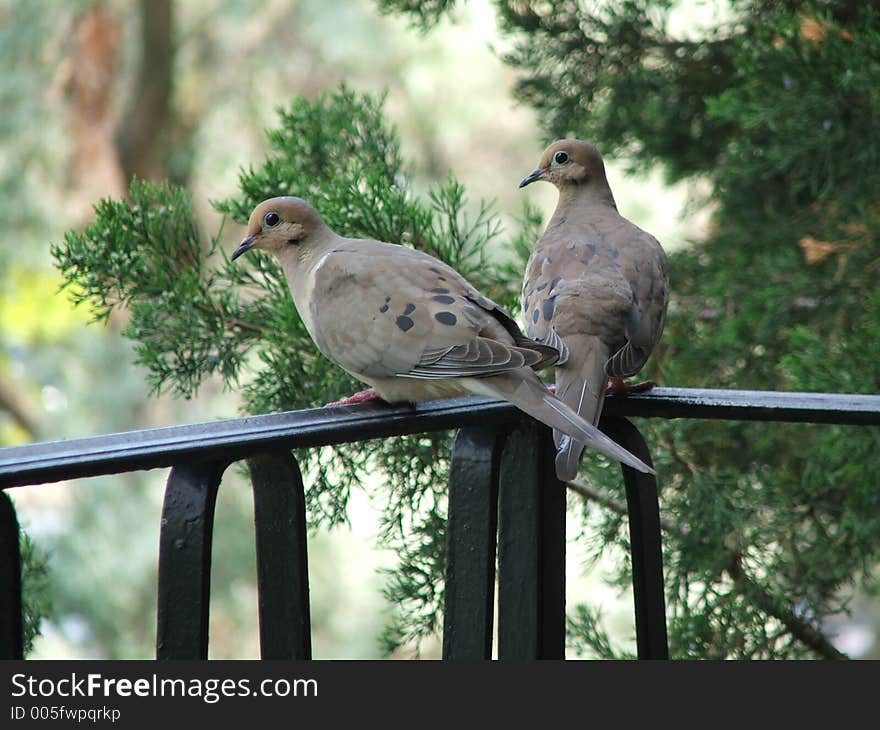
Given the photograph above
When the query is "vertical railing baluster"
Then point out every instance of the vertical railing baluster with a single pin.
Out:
(531, 548)
(645, 543)
(282, 556)
(185, 560)
(469, 596)
(11, 629)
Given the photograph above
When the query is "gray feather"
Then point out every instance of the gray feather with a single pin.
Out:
(581, 386)
(529, 394)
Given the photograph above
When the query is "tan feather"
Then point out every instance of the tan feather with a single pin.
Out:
(595, 287)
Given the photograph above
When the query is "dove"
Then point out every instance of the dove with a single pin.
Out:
(596, 288)
(407, 324)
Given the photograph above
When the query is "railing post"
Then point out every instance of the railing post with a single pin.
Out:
(645, 542)
(11, 628)
(185, 560)
(469, 594)
(282, 556)
(531, 548)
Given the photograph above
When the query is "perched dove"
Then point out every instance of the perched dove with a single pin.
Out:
(595, 288)
(407, 324)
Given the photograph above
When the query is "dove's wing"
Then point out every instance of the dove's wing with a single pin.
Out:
(380, 310)
(645, 267)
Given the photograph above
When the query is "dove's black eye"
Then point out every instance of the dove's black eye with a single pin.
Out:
(271, 219)
(561, 157)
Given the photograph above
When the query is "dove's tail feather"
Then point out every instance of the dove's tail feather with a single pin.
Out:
(580, 384)
(529, 394)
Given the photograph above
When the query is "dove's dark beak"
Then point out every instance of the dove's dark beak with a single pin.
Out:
(533, 176)
(246, 245)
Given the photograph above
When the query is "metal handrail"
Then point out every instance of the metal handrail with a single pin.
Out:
(504, 499)
(237, 437)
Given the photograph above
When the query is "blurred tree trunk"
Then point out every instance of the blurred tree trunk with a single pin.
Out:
(110, 148)
(94, 62)
(21, 409)
(141, 138)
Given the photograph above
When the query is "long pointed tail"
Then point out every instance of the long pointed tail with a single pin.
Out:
(528, 393)
(580, 384)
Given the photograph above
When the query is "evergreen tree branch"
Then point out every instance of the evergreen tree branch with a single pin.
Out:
(803, 631)
(758, 595)
(615, 505)
(249, 326)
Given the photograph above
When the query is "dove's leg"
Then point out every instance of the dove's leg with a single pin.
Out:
(362, 396)
(618, 386)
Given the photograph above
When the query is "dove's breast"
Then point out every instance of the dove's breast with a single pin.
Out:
(343, 302)
(329, 293)
(302, 290)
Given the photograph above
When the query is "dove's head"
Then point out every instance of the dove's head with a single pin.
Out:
(569, 162)
(284, 227)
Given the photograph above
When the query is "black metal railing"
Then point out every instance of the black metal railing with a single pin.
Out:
(504, 502)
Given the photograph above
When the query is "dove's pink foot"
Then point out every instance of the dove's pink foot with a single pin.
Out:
(362, 396)
(618, 386)
(552, 388)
